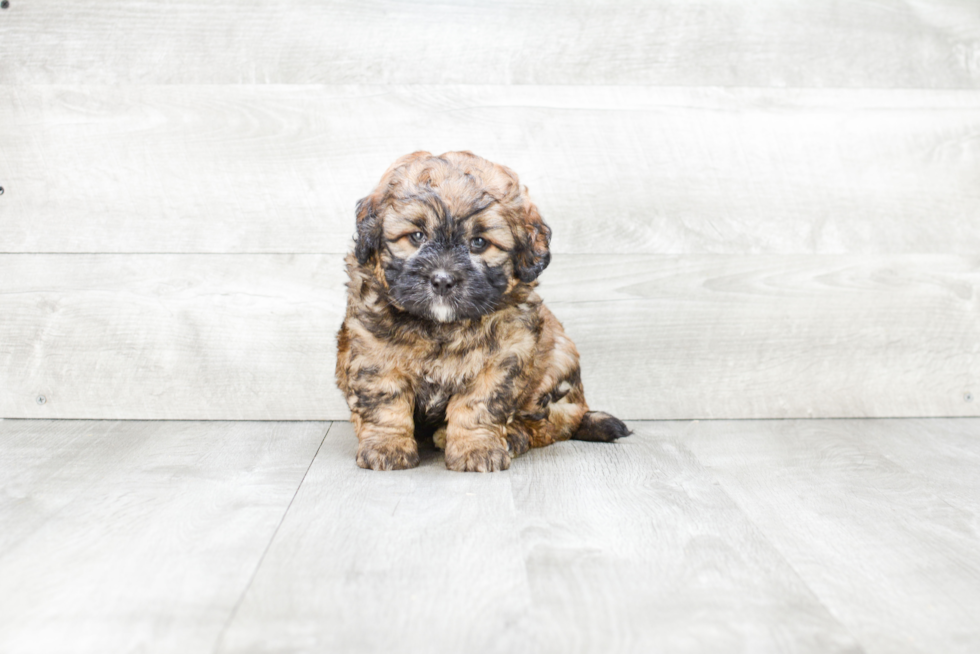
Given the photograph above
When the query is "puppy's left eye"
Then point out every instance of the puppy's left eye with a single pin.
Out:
(478, 244)
(416, 237)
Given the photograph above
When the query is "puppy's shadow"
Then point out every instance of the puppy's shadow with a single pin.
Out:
(429, 454)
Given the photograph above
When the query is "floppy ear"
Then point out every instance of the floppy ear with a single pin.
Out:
(532, 255)
(368, 229)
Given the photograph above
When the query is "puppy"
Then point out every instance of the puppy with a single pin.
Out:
(444, 333)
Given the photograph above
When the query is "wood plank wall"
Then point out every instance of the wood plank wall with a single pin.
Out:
(761, 209)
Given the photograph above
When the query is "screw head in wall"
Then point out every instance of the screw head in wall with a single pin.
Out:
(4, 4)
(41, 399)
(968, 396)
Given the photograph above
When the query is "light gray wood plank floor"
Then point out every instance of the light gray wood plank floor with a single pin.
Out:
(711, 536)
(137, 536)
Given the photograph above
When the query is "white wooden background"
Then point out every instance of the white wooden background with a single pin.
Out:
(761, 208)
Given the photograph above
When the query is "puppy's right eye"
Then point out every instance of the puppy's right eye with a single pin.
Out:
(416, 238)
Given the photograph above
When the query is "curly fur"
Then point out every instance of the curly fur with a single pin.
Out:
(444, 331)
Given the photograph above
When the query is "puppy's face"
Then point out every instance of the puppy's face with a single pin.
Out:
(450, 236)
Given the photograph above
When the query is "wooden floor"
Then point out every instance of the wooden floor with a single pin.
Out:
(712, 536)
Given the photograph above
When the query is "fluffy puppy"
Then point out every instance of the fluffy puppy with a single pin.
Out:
(444, 333)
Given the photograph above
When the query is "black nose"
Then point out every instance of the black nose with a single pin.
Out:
(442, 282)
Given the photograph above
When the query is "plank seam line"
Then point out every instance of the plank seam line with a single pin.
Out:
(177, 253)
(761, 533)
(258, 565)
(956, 88)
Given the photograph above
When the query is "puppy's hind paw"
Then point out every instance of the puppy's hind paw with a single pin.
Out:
(600, 427)
(439, 438)
(518, 438)
(388, 455)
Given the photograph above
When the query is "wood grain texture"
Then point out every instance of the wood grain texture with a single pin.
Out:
(252, 336)
(896, 563)
(138, 536)
(161, 336)
(951, 444)
(578, 548)
(773, 336)
(633, 547)
(790, 536)
(421, 560)
(613, 169)
(908, 43)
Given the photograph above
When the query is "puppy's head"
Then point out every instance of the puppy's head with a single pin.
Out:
(450, 236)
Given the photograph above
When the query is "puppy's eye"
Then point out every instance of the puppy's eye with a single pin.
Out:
(478, 244)
(416, 238)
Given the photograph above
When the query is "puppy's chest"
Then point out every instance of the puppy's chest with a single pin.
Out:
(432, 397)
(437, 381)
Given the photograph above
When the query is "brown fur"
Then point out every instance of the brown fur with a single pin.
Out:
(500, 382)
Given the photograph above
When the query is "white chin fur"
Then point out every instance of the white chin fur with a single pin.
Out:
(441, 312)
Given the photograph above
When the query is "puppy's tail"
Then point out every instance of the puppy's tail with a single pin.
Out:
(600, 427)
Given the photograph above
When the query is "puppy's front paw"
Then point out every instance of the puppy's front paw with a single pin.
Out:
(388, 455)
(477, 457)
